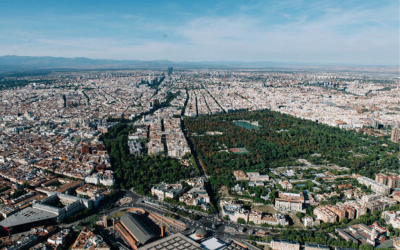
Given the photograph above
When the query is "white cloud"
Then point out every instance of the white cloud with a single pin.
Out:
(324, 33)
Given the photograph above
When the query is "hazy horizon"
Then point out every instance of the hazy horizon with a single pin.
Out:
(307, 32)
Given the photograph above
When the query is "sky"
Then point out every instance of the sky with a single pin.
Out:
(362, 32)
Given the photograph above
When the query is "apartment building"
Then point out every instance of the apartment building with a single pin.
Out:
(377, 202)
(358, 208)
(324, 214)
(376, 187)
(392, 181)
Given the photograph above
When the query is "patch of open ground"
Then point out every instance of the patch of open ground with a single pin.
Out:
(125, 200)
(224, 192)
(296, 221)
(118, 214)
(265, 209)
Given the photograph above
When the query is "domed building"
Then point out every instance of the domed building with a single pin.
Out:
(201, 233)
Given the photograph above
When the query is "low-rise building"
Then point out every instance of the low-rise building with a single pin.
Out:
(281, 244)
(392, 218)
(258, 217)
(88, 240)
(256, 176)
(163, 190)
(89, 190)
(195, 197)
(361, 233)
(135, 148)
(58, 238)
(286, 185)
(240, 175)
(289, 202)
(24, 242)
(234, 211)
(106, 178)
(256, 183)
(314, 246)
(309, 221)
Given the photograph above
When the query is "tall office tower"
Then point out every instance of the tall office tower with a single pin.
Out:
(395, 134)
(170, 70)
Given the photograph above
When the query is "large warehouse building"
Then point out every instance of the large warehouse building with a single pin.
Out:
(134, 230)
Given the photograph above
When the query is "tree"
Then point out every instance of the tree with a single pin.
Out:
(366, 247)
(212, 208)
(300, 215)
(27, 185)
(310, 211)
(186, 155)
(240, 221)
(272, 146)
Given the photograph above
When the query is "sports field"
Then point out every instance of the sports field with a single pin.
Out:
(239, 150)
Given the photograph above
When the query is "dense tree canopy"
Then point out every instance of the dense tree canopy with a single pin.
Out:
(280, 141)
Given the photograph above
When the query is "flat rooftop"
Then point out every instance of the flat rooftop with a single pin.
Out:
(26, 216)
(213, 244)
(172, 242)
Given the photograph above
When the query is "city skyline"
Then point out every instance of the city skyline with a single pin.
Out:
(214, 125)
(323, 32)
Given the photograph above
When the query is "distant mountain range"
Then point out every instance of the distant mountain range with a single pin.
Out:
(11, 62)
(46, 62)
(55, 62)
